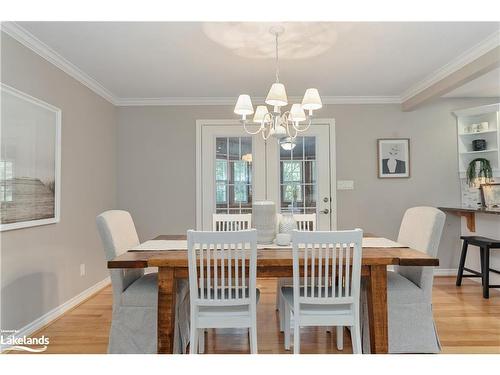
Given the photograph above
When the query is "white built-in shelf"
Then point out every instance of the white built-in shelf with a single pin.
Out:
(465, 119)
(479, 152)
(478, 133)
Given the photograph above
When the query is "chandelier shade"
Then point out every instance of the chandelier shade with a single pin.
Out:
(243, 105)
(297, 113)
(260, 112)
(277, 95)
(311, 100)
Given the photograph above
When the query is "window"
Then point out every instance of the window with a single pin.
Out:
(6, 176)
(298, 188)
(233, 172)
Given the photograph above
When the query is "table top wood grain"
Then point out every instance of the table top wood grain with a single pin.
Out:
(401, 256)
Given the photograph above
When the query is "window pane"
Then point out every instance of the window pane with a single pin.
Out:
(298, 150)
(309, 148)
(221, 193)
(220, 170)
(221, 148)
(234, 148)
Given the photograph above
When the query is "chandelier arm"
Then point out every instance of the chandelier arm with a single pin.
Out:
(286, 120)
(298, 129)
(269, 127)
(250, 132)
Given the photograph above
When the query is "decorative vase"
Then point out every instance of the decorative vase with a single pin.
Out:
(287, 223)
(264, 220)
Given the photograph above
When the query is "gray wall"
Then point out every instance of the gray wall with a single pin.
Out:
(40, 265)
(156, 166)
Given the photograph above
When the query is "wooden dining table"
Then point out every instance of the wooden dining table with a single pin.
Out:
(173, 265)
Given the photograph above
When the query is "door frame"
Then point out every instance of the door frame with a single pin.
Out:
(333, 165)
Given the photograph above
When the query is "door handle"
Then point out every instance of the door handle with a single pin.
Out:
(326, 211)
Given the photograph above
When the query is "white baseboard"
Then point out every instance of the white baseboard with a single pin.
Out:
(445, 271)
(61, 309)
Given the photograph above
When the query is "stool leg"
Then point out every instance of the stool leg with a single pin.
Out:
(462, 263)
(481, 257)
(486, 273)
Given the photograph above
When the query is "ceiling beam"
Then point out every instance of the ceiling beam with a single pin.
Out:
(476, 68)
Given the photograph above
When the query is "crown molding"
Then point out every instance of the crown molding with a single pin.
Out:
(179, 101)
(459, 62)
(30, 41)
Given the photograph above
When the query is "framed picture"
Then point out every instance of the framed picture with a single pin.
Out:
(30, 161)
(393, 157)
(490, 195)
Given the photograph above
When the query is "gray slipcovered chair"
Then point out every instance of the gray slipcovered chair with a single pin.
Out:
(135, 294)
(409, 289)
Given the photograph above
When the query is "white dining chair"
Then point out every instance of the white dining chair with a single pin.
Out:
(326, 284)
(222, 282)
(305, 222)
(135, 294)
(409, 289)
(231, 222)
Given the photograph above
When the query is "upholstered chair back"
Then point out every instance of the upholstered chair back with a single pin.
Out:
(118, 234)
(421, 229)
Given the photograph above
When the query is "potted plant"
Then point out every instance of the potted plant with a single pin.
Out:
(479, 172)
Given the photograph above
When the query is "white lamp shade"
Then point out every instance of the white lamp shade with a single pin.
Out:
(243, 105)
(260, 112)
(311, 100)
(277, 95)
(297, 114)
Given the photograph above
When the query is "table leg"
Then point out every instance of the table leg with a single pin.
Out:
(166, 309)
(377, 309)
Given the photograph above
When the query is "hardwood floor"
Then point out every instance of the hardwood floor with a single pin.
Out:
(466, 323)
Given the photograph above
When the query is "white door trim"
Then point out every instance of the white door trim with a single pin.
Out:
(333, 167)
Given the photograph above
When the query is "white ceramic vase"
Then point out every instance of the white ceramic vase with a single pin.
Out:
(264, 220)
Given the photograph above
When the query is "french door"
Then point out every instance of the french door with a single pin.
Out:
(235, 169)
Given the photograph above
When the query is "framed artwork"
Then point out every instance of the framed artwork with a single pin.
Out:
(30, 161)
(393, 156)
(490, 195)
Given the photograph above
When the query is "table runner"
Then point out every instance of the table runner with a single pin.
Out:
(159, 245)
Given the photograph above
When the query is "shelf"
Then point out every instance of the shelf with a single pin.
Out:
(478, 133)
(478, 152)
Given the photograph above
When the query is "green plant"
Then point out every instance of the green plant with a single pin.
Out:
(484, 171)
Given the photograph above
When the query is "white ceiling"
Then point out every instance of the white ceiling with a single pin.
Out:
(183, 59)
(485, 86)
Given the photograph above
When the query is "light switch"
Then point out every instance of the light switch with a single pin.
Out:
(345, 185)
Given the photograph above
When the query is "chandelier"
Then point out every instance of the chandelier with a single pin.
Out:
(283, 126)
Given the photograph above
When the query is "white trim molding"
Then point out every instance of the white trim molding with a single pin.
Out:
(60, 310)
(36, 45)
(167, 101)
(459, 62)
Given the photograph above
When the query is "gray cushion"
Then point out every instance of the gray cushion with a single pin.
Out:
(400, 290)
(142, 292)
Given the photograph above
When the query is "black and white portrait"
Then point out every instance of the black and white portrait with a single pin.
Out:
(29, 161)
(393, 158)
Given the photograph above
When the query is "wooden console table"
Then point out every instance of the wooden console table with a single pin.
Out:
(470, 214)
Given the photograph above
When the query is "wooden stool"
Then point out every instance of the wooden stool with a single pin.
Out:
(484, 244)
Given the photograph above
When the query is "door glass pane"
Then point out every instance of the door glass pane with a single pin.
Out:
(233, 175)
(298, 187)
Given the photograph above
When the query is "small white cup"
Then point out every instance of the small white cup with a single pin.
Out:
(283, 239)
(485, 126)
(474, 128)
